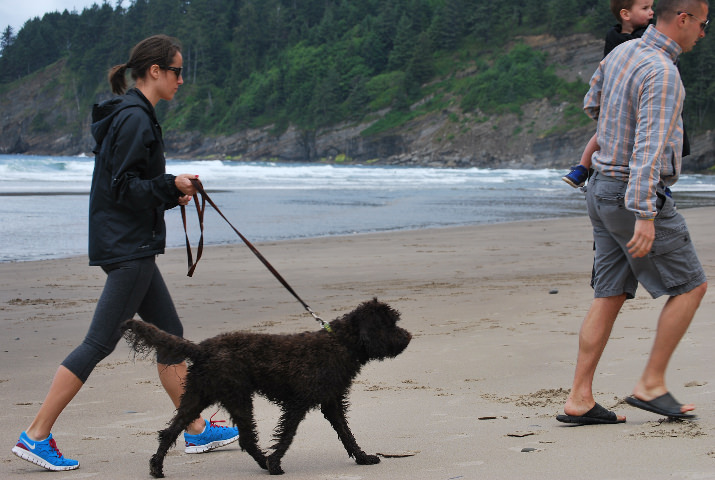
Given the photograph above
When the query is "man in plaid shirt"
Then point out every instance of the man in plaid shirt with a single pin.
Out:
(636, 96)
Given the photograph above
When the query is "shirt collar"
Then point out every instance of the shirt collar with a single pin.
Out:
(661, 41)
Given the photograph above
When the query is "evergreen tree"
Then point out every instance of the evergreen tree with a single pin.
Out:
(403, 45)
(698, 72)
(420, 66)
(8, 37)
(448, 24)
(562, 16)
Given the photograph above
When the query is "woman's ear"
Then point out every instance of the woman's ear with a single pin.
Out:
(154, 71)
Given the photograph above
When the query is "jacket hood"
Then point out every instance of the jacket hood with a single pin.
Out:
(103, 114)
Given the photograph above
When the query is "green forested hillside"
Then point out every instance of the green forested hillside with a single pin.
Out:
(312, 63)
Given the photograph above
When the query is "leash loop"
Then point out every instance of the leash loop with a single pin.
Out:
(192, 265)
(200, 249)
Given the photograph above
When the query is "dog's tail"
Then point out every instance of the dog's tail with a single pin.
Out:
(144, 337)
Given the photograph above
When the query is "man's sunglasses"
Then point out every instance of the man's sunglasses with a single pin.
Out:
(703, 24)
(176, 70)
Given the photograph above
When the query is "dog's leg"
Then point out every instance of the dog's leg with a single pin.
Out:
(335, 413)
(284, 434)
(241, 411)
(189, 410)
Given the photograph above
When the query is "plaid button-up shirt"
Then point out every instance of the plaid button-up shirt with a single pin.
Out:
(637, 97)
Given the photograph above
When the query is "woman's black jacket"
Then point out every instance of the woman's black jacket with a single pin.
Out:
(130, 187)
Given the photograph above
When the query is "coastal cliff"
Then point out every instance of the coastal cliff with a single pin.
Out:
(42, 116)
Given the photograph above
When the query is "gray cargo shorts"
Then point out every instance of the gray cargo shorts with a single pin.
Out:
(671, 268)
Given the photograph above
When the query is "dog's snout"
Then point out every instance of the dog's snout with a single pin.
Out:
(402, 339)
(406, 334)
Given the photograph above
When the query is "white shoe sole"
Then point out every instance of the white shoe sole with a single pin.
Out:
(31, 457)
(210, 446)
(568, 180)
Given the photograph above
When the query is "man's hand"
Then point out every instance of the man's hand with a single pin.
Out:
(643, 236)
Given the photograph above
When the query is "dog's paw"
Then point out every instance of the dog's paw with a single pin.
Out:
(365, 459)
(156, 472)
(156, 467)
(274, 466)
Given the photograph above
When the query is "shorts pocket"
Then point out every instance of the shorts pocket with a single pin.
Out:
(612, 192)
(665, 206)
(675, 259)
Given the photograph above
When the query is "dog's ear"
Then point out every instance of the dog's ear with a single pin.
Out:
(364, 339)
(385, 313)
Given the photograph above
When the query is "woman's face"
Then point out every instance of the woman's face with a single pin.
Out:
(170, 80)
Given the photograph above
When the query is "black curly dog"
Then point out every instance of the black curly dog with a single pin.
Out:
(298, 372)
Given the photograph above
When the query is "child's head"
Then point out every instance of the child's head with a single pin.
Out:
(632, 14)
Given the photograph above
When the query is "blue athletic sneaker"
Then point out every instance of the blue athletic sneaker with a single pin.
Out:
(213, 436)
(577, 176)
(43, 453)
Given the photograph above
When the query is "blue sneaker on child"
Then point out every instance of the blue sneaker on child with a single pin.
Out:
(43, 453)
(213, 436)
(577, 177)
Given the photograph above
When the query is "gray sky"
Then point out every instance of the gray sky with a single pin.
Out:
(16, 12)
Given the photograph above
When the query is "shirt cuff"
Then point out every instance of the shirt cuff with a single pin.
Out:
(171, 183)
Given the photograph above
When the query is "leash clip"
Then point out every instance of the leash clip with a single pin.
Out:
(322, 322)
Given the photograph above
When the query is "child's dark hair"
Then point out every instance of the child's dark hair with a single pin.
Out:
(618, 5)
(155, 50)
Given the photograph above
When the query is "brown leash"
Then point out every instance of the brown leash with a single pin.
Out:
(200, 209)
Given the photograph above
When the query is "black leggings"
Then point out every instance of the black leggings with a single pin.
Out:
(134, 286)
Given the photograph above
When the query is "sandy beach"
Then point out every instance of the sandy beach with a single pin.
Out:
(495, 312)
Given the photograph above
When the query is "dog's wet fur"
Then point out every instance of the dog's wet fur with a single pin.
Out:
(298, 372)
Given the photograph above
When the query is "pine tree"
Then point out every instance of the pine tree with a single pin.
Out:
(8, 37)
(402, 46)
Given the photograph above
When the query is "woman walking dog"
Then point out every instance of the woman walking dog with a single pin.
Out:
(129, 194)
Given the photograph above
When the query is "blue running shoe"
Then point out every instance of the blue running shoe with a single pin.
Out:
(214, 436)
(43, 453)
(577, 177)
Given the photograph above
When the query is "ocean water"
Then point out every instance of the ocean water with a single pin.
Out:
(44, 201)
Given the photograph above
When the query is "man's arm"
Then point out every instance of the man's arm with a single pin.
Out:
(660, 100)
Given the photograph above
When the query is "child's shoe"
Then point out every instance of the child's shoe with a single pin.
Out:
(43, 453)
(213, 436)
(577, 176)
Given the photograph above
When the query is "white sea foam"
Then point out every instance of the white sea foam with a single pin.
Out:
(44, 207)
(71, 174)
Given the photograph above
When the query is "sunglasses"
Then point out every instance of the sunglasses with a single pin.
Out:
(703, 24)
(176, 70)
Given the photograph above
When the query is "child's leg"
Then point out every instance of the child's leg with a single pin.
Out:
(579, 174)
(591, 148)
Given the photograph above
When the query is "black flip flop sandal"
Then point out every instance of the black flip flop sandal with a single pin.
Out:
(665, 405)
(596, 416)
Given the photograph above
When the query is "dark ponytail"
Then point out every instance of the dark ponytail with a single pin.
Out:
(117, 78)
(155, 50)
